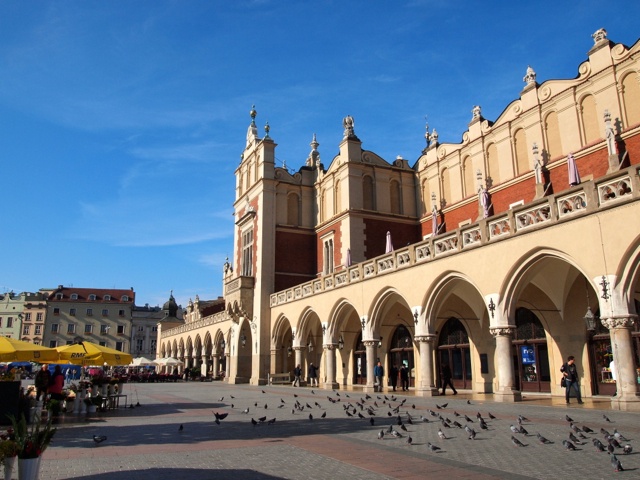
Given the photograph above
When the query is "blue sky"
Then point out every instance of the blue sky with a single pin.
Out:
(122, 122)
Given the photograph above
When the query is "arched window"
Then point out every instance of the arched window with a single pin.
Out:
(293, 210)
(521, 151)
(368, 193)
(394, 197)
(493, 168)
(631, 98)
(337, 202)
(453, 333)
(468, 175)
(528, 327)
(589, 119)
(454, 350)
(552, 132)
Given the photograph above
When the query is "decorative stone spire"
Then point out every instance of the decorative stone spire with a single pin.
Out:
(599, 35)
(314, 156)
(252, 131)
(267, 128)
(427, 135)
(476, 112)
(530, 77)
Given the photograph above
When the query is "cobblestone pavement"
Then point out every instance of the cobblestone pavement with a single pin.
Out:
(145, 442)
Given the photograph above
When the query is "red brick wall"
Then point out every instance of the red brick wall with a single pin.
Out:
(375, 232)
(337, 246)
(295, 254)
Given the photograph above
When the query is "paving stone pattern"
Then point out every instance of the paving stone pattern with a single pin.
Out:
(145, 442)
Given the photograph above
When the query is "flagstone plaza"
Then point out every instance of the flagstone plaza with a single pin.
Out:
(146, 442)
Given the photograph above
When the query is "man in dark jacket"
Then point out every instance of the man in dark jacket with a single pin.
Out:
(571, 378)
(446, 379)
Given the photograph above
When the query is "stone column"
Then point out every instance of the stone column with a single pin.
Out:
(298, 352)
(216, 365)
(371, 347)
(204, 368)
(504, 365)
(620, 327)
(330, 355)
(427, 386)
(227, 373)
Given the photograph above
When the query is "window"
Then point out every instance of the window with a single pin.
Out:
(121, 312)
(104, 329)
(247, 253)
(74, 296)
(327, 255)
(58, 296)
(119, 346)
(69, 342)
(154, 344)
(38, 330)
(53, 344)
(125, 298)
(103, 344)
(27, 317)
(89, 312)
(140, 328)
(0, 321)
(54, 328)
(9, 322)
(105, 312)
(139, 344)
(107, 298)
(88, 328)
(120, 329)
(72, 312)
(39, 317)
(25, 329)
(154, 328)
(71, 328)
(56, 310)
(92, 297)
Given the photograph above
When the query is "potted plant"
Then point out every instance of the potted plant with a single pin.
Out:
(31, 442)
(55, 407)
(8, 452)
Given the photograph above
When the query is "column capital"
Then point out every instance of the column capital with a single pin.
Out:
(370, 343)
(502, 331)
(330, 346)
(299, 348)
(429, 338)
(619, 321)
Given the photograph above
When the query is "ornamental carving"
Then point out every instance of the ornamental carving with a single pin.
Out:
(329, 346)
(619, 322)
(507, 330)
(370, 343)
(425, 339)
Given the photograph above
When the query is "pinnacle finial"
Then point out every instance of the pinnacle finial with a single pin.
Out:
(253, 114)
(267, 128)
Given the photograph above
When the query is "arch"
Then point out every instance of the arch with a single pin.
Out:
(589, 118)
(383, 304)
(493, 166)
(454, 350)
(395, 199)
(293, 209)
(521, 151)
(628, 274)
(631, 98)
(468, 177)
(368, 193)
(552, 135)
(445, 183)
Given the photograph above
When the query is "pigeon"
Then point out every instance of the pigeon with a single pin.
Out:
(471, 432)
(517, 442)
(181, 428)
(514, 429)
(262, 419)
(606, 419)
(599, 445)
(324, 415)
(457, 425)
(380, 434)
(221, 399)
(619, 436)
(542, 439)
(615, 463)
(217, 421)
(253, 422)
(220, 416)
(568, 418)
(483, 424)
(468, 401)
(523, 431)
(232, 397)
(432, 447)
(390, 429)
(263, 391)
(409, 440)
(492, 417)
(604, 432)
(627, 449)
(312, 392)
(575, 428)
(568, 445)
(523, 418)
(468, 419)
(614, 443)
(441, 435)
(402, 427)
(574, 439)
(395, 433)
(272, 421)
(310, 417)
(98, 439)
(610, 448)
(266, 406)
(586, 429)
(246, 410)
(424, 419)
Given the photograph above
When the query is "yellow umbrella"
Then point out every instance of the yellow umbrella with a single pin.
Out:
(12, 350)
(87, 353)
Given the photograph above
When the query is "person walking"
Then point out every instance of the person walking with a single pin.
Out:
(571, 378)
(446, 379)
(393, 376)
(404, 377)
(56, 384)
(297, 373)
(313, 375)
(42, 380)
(378, 373)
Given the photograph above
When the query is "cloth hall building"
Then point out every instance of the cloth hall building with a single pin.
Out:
(499, 256)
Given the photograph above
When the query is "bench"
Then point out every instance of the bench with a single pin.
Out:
(281, 378)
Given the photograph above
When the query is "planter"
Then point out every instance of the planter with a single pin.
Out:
(29, 468)
(9, 462)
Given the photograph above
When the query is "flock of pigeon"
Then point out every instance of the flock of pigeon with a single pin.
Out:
(371, 409)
